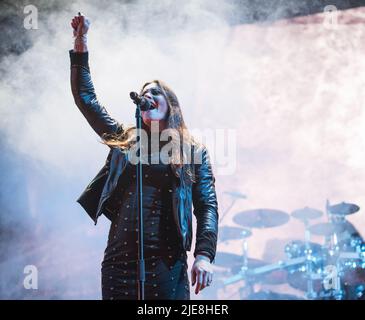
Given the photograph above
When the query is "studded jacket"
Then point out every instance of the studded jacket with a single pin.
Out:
(200, 194)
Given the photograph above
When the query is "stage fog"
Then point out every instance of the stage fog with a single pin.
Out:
(290, 88)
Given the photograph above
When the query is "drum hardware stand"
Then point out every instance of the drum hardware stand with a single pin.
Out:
(245, 255)
(244, 270)
(235, 197)
(337, 293)
(311, 294)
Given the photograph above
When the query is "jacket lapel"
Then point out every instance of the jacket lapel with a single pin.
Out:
(118, 163)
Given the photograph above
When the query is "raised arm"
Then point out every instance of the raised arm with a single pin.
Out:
(81, 84)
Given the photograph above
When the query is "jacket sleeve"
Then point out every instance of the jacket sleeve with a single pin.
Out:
(205, 207)
(85, 97)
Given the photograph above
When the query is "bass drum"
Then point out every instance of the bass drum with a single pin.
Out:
(298, 275)
(353, 270)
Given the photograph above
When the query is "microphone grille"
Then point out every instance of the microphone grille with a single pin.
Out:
(133, 95)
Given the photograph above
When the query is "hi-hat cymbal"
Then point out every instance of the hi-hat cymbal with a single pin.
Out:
(306, 213)
(233, 233)
(261, 218)
(343, 208)
(326, 229)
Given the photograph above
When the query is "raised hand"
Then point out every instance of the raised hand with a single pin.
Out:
(80, 25)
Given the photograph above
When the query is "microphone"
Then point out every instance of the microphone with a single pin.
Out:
(143, 103)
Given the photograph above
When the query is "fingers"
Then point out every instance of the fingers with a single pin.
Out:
(74, 23)
(201, 275)
(80, 18)
(209, 278)
(193, 277)
(80, 24)
(204, 280)
(199, 282)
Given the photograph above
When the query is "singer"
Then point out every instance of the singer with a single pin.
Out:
(169, 192)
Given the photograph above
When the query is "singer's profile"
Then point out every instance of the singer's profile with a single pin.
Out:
(172, 192)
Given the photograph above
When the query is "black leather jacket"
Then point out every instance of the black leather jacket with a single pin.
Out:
(94, 199)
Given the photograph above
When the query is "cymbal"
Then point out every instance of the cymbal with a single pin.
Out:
(306, 213)
(343, 208)
(261, 218)
(326, 229)
(233, 233)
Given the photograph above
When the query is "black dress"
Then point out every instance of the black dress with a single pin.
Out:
(165, 260)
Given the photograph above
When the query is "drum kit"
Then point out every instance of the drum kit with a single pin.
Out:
(331, 270)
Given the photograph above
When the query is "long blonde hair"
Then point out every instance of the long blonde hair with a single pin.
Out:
(181, 141)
